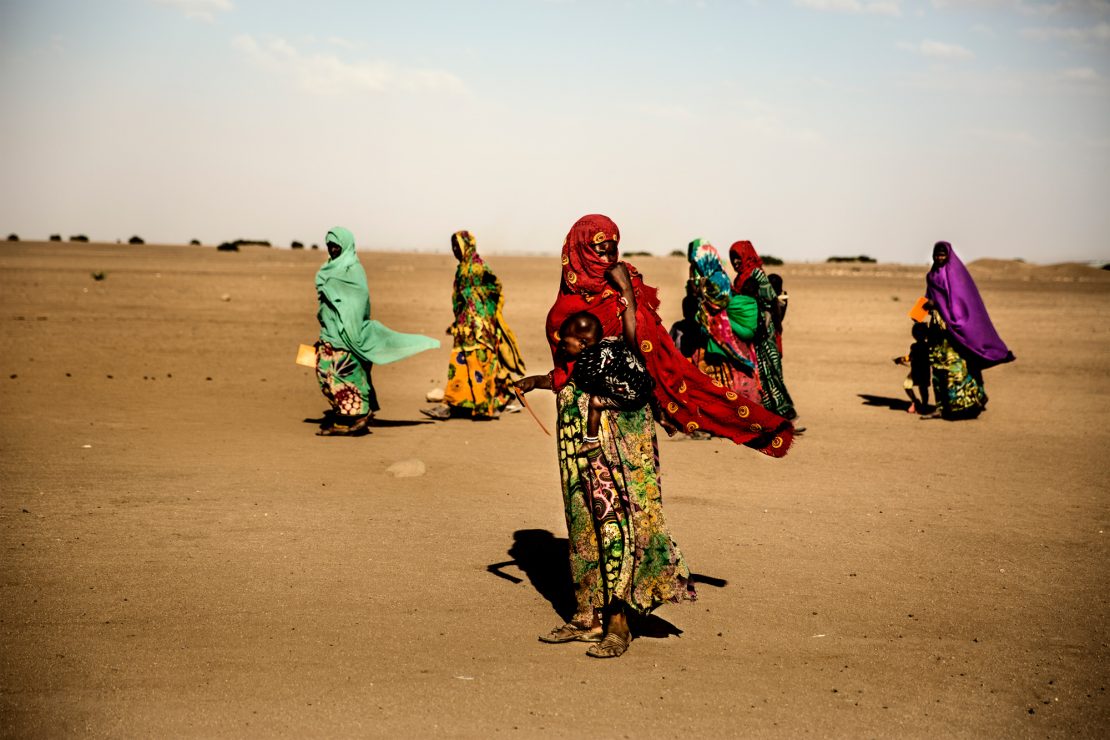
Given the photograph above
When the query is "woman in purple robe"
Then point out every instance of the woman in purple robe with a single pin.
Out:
(962, 340)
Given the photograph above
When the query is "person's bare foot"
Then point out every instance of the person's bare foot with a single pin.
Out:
(360, 426)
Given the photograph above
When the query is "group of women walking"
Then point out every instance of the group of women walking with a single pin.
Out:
(740, 321)
(622, 557)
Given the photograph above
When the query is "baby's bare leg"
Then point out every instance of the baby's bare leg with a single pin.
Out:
(593, 418)
(593, 422)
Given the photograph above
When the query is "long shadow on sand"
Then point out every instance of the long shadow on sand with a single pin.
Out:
(542, 557)
(894, 404)
(329, 417)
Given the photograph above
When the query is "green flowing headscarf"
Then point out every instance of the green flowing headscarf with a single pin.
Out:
(345, 310)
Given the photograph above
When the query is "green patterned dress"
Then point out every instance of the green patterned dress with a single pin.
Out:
(959, 393)
(775, 397)
(620, 548)
(485, 351)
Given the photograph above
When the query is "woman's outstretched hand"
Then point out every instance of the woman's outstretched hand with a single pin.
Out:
(532, 382)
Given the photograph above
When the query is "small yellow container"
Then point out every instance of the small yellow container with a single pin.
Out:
(306, 355)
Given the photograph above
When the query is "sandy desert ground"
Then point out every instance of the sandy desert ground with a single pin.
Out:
(183, 557)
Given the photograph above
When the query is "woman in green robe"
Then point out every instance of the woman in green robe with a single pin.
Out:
(351, 343)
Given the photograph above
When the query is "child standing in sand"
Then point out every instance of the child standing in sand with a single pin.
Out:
(605, 367)
(920, 375)
(781, 300)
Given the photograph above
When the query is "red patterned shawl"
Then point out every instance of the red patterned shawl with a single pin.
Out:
(749, 262)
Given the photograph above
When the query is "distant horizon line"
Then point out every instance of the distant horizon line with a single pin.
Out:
(674, 253)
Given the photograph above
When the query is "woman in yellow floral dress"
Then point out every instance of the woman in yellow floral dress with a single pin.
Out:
(485, 350)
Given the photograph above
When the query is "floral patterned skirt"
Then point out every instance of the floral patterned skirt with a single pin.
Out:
(959, 393)
(476, 381)
(345, 381)
(620, 548)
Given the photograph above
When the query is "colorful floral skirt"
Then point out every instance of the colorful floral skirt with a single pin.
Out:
(476, 381)
(345, 381)
(959, 394)
(620, 548)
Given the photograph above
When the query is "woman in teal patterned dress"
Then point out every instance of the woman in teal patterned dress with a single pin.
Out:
(622, 557)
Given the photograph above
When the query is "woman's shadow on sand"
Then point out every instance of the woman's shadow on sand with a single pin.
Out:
(542, 558)
(894, 404)
(329, 417)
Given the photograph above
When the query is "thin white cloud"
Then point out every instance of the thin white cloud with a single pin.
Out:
(855, 7)
(764, 119)
(342, 43)
(327, 74)
(1080, 74)
(198, 10)
(938, 50)
(1011, 137)
(669, 112)
(1098, 33)
(1091, 8)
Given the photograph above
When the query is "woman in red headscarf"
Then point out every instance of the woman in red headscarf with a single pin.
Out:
(751, 280)
(622, 556)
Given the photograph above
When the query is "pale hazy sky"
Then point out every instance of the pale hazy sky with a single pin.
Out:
(812, 127)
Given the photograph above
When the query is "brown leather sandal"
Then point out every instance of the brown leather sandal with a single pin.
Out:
(571, 632)
(612, 646)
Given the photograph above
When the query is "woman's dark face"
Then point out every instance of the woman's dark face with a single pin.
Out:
(455, 250)
(940, 255)
(737, 263)
(334, 250)
(607, 250)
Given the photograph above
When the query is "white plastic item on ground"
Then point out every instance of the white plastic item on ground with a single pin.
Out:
(407, 468)
(434, 395)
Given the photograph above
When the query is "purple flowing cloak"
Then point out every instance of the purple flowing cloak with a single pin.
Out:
(953, 291)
